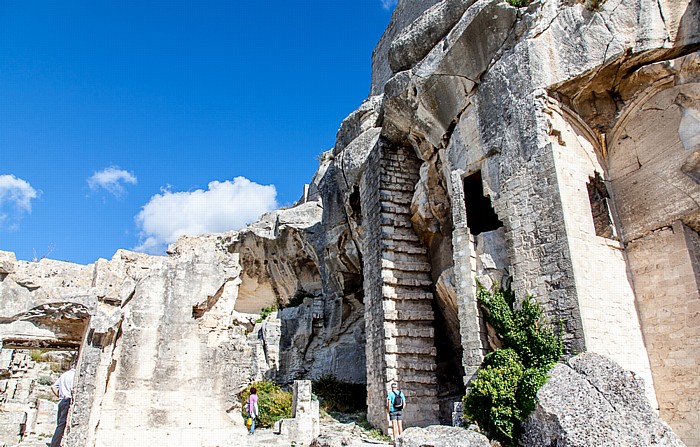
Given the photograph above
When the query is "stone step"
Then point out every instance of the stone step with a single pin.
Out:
(430, 410)
(404, 223)
(392, 293)
(391, 330)
(393, 273)
(410, 391)
(392, 183)
(404, 266)
(406, 282)
(391, 208)
(411, 380)
(400, 167)
(397, 213)
(397, 220)
(389, 185)
(402, 237)
(415, 249)
(401, 348)
(405, 170)
(408, 315)
(403, 197)
(391, 229)
(392, 305)
(397, 256)
(427, 366)
(400, 156)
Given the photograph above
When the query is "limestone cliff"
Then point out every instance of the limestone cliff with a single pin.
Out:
(552, 147)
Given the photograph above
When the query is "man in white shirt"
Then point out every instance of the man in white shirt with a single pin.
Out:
(63, 388)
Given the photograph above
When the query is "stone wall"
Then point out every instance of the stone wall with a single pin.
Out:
(666, 275)
(375, 347)
(606, 296)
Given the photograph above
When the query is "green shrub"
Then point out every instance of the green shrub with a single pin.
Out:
(265, 312)
(36, 355)
(519, 3)
(504, 391)
(335, 395)
(273, 402)
(45, 380)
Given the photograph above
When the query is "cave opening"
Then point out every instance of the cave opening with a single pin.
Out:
(450, 371)
(481, 217)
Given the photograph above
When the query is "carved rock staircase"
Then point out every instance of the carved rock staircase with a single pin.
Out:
(406, 289)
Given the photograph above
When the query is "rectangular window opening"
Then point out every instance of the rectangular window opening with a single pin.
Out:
(481, 217)
(600, 207)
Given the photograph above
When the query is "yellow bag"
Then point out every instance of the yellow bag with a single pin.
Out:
(249, 423)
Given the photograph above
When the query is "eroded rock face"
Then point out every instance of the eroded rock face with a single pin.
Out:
(478, 109)
(590, 400)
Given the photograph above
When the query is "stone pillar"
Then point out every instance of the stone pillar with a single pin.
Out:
(304, 426)
(374, 314)
(92, 375)
(465, 269)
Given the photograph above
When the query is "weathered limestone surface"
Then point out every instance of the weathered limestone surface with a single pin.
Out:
(27, 406)
(589, 401)
(577, 130)
(303, 427)
(441, 436)
(541, 101)
(669, 307)
(165, 338)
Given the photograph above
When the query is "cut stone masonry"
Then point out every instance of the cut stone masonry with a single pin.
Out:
(406, 289)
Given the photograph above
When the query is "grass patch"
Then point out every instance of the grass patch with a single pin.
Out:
(372, 432)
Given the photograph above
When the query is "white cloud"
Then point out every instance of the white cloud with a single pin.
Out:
(112, 179)
(224, 206)
(388, 4)
(16, 197)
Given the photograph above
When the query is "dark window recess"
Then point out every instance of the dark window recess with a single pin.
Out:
(600, 207)
(481, 216)
(355, 205)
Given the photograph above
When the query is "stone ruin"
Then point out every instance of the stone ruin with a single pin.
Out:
(554, 147)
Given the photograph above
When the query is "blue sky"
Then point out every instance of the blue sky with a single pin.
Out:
(124, 124)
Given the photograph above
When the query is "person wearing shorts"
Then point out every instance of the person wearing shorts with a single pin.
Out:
(395, 414)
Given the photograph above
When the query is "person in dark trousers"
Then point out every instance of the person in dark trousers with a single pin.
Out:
(63, 388)
(395, 404)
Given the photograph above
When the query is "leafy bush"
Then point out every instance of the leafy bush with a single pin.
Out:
(504, 391)
(273, 402)
(335, 395)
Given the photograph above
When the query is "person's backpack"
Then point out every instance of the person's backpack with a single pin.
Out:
(398, 401)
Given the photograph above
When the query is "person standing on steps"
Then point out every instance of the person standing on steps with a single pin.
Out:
(252, 406)
(395, 404)
(63, 388)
